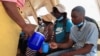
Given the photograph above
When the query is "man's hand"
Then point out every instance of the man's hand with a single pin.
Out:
(29, 30)
(53, 45)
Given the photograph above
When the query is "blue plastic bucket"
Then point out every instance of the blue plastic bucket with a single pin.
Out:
(36, 41)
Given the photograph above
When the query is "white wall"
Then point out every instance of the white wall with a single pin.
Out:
(90, 6)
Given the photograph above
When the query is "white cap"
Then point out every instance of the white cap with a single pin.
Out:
(60, 8)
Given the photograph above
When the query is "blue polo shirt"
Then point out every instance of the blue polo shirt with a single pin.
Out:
(60, 30)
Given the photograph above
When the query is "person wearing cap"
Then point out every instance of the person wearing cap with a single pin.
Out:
(11, 24)
(83, 36)
(61, 28)
(48, 33)
(49, 23)
(41, 25)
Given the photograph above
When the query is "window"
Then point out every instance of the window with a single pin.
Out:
(42, 11)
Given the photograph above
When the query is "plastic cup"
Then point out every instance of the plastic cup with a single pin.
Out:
(45, 47)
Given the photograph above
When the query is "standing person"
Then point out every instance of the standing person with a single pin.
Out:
(84, 36)
(61, 28)
(11, 24)
(48, 33)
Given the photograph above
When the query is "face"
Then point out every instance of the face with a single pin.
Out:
(56, 14)
(40, 21)
(76, 17)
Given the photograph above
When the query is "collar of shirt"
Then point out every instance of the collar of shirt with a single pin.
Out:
(82, 26)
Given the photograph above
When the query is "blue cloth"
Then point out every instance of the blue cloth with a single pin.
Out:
(60, 30)
(68, 25)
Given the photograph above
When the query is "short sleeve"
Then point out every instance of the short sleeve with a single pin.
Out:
(20, 3)
(93, 35)
(68, 25)
(11, 0)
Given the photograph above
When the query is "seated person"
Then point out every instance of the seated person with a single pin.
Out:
(61, 28)
(41, 25)
(83, 37)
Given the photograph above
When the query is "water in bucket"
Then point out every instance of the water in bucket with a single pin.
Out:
(36, 41)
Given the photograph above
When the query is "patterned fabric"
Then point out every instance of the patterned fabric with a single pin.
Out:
(20, 3)
(30, 52)
(48, 32)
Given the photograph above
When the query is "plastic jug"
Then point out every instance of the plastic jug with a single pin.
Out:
(36, 41)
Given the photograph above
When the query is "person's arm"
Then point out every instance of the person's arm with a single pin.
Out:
(68, 29)
(51, 32)
(12, 11)
(86, 49)
(67, 44)
(90, 42)
(67, 36)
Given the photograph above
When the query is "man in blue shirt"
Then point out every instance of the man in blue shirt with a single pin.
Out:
(61, 30)
(83, 36)
(62, 26)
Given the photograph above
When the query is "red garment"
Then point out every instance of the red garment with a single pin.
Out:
(20, 3)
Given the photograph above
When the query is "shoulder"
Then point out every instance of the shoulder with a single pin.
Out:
(90, 24)
(69, 21)
(91, 21)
